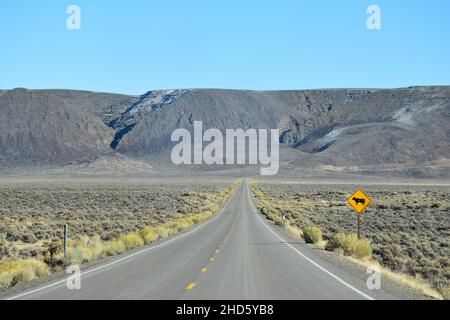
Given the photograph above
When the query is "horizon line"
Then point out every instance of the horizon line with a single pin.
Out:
(234, 89)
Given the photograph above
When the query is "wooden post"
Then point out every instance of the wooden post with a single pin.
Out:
(65, 241)
(359, 225)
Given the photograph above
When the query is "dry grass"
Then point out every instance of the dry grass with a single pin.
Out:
(415, 282)
(148, 235)
(15, 271)
(312, 234)
(349, 244)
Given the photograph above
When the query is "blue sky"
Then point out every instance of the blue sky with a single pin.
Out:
(135, 46)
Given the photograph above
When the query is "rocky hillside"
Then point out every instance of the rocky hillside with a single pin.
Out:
(38, 129)
(343, 130)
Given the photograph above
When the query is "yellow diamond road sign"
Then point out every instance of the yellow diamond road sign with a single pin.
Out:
(359, 200)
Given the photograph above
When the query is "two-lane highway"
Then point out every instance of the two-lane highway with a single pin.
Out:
(235, 255)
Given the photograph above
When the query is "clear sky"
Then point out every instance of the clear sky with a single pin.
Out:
(135, 46)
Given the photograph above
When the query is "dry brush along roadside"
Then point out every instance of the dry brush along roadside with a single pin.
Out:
(23, 261)
(320, 217)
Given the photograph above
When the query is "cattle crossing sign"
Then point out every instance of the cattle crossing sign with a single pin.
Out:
(359, 201)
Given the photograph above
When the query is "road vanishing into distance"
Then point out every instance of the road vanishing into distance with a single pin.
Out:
(235, 255)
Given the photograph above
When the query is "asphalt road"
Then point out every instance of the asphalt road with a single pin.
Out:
(236, 255)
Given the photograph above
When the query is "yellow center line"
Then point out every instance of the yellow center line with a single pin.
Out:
(190, 286)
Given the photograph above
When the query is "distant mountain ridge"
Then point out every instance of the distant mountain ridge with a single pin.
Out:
(40, 129)
(345, 130)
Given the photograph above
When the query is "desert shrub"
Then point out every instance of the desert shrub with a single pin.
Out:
(148, 234)
(341, 240)
(445, 291)
(350, 245)
(80, 254)
(201, 217)
(181, 224)
(15, 271)
(271, 214)
(293, 229)
(131, 240)
(6, 280)
(312, 234)
(96, 246)
(162, 231)
(113, 247)
(58, 264)
(51, 250)
(362, 249)
(86, 249)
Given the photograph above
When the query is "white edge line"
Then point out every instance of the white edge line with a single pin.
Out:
(305, 257)
(128, 256)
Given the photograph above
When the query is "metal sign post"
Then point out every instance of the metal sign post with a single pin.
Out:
(65, 241)
(359, 225)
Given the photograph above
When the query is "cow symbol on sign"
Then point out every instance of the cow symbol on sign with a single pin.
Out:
(359, 200)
